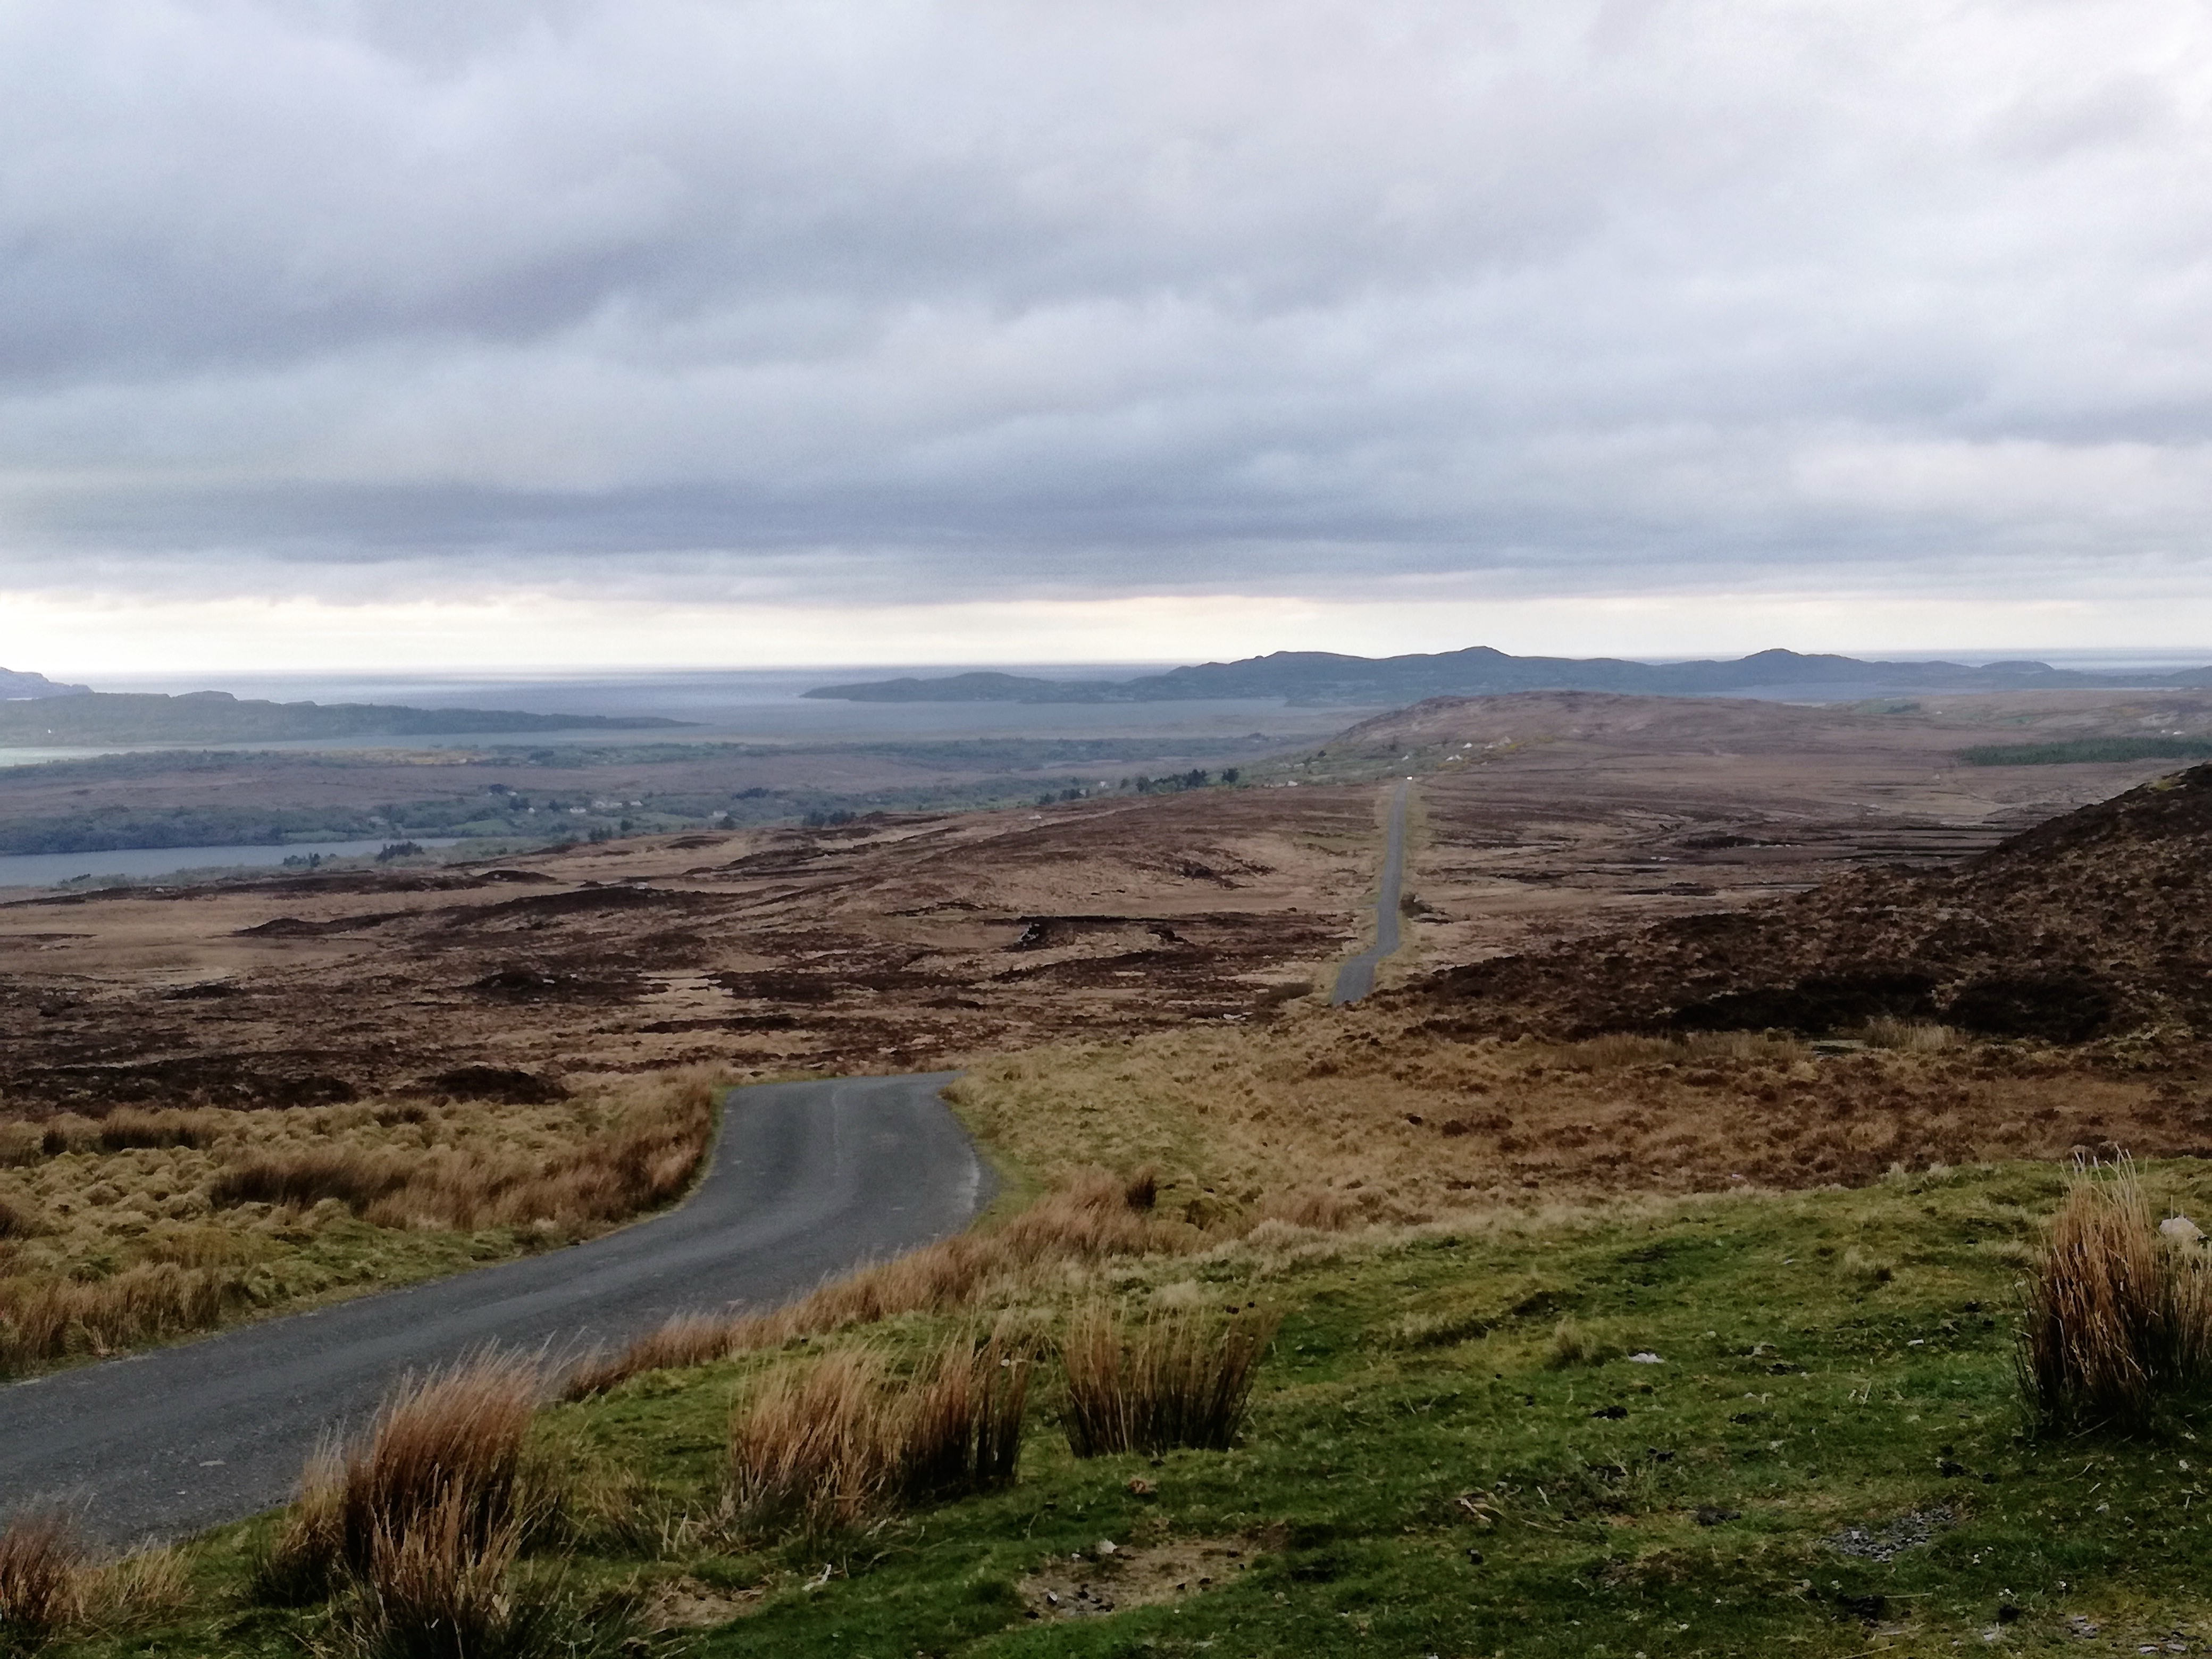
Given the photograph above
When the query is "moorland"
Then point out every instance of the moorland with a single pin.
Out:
(1639, 1271)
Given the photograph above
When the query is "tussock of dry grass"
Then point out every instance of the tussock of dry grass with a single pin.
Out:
(1094, 1216)
(829, 1444)
(450, 1444)
(144, 1226)
(417, 1528)
(42, 1571)
(50, 1585)
(443, 1588)
(1175, 1378)
(2118, 1321)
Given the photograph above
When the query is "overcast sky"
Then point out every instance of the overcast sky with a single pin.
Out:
(415, 330)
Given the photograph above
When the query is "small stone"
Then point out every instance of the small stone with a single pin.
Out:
(1646, 1357)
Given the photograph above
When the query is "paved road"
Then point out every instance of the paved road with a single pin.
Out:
(808, 1179)
(1357, 977)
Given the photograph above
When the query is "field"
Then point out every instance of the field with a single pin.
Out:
(1652, 1339)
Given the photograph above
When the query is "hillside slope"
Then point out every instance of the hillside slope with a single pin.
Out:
(2087, 925)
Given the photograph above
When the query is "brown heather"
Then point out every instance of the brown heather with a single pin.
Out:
(1175, 1378)
(2117, 1320)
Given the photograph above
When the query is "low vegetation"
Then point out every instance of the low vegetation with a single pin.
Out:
(143, 1225)
(1763, 1444)
(2116, 1328)
(1361, 1113)
(1172, 1380)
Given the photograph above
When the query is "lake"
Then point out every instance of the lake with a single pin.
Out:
(50, 869)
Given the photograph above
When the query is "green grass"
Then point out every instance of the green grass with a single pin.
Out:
(2081, 750)
(1828, 1357)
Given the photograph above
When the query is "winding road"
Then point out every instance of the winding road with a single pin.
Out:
(1357, 977)
(807, 1179)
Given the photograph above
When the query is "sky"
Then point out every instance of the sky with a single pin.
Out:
(398, 333)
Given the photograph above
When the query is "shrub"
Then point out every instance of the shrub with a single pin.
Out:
(42, 1571)
(1175, 1379)
(2117, 1321)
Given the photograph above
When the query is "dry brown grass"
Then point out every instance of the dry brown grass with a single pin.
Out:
(449, 1442)
(43, 1565)
(829, 1444)
(443, 1586)
(1363, 1115)
(144, 1226)
(644, 1158)
(2118, 1321)
(1092, 1216)
(1177, 1378)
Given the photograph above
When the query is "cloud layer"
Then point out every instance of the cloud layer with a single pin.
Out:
(808, 303)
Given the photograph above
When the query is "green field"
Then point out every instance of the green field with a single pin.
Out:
(1827, 1459)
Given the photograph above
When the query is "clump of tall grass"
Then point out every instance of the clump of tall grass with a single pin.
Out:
(1572, 1345)
(1094, 1216)
(50, 1585)
(43, 1565)
(1174, 1378)
(827, 1445)
(418, 1525)
(450, 1441)
(444, 1587)
(2115, 1322)
(1918, 1037)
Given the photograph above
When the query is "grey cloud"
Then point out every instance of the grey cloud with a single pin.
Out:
(932, 300)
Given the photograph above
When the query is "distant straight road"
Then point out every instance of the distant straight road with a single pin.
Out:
(807, 1179)
(1357, 977)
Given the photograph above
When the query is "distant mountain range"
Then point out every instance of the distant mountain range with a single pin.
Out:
(13, 685)
(1321, 678)
(68, 715)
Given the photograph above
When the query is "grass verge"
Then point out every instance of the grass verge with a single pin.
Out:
(1792, 1423)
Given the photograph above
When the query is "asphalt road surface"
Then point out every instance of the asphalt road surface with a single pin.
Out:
(1357, 977)
(807, 1180)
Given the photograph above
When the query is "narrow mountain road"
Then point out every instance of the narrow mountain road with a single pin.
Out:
(807, 1180)
(1357, 977)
